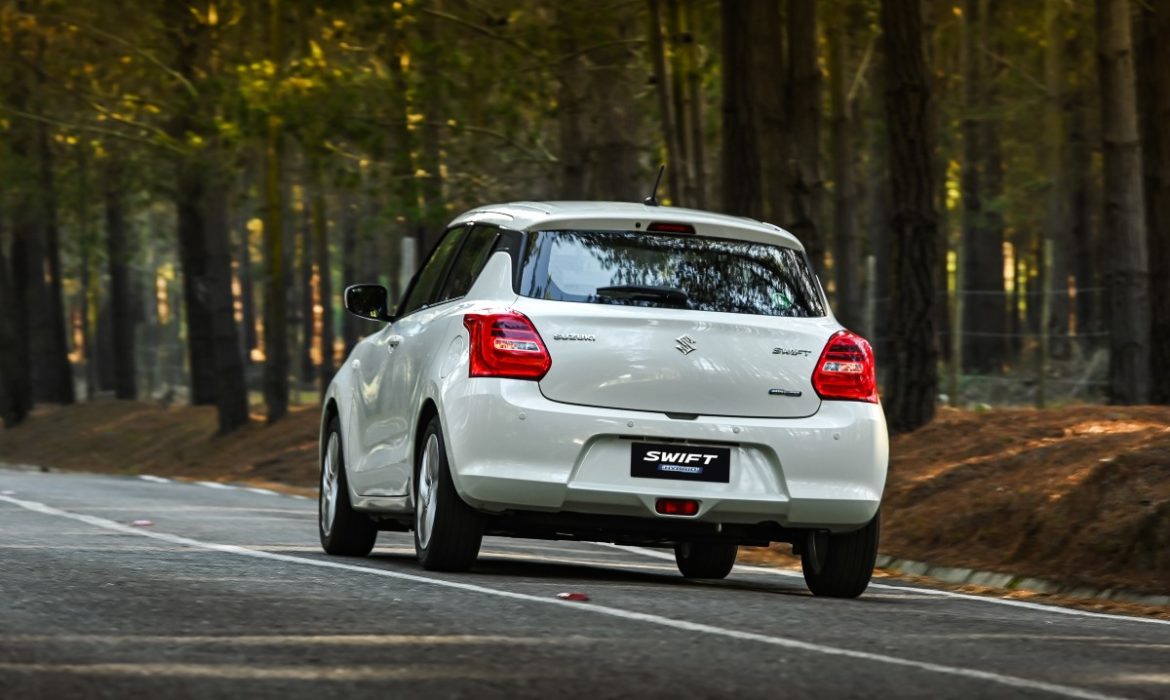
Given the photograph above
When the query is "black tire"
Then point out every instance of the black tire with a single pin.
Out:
(349, 533)
(450, 540)
(705, 559)
(840, 566)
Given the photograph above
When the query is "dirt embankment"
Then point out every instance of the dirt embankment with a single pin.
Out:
(1080, 495)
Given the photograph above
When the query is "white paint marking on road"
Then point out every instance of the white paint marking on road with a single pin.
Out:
(919, 591)
(346, 674)
(154, 479)
(215, 485)
(299, 497)
(620, 613)
(262, 492)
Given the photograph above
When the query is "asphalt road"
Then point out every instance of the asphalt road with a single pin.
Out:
(226, 594)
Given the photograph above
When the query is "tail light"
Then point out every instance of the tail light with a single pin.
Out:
(505, 345)
(845, 371)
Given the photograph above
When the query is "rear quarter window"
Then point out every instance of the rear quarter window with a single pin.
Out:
(692, 272)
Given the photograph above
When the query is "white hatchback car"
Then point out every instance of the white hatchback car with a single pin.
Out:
(609, 372)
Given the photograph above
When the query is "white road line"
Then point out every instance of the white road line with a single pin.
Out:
(214, 485)
(263, 492)
(154, 479)
(924, 591)
(299, 497)
(684, 625)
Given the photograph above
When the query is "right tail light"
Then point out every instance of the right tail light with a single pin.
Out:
(845, 371)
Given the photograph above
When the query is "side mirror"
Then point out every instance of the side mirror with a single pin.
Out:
(368, 301)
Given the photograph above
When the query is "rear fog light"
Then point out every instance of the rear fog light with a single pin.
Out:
(676, 506)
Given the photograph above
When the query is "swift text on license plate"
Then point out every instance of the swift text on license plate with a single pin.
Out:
(686, 462)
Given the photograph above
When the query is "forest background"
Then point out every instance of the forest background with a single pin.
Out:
(982, 185)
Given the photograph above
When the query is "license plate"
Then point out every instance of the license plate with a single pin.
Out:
(686, 462)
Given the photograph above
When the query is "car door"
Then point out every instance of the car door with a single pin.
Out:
(425, 335)
(385, 375)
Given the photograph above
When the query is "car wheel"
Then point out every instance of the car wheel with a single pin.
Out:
(343, 530)
(840, 566)
(705, 559)
(447, 532)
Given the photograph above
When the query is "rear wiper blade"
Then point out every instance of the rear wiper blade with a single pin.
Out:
(672, 295)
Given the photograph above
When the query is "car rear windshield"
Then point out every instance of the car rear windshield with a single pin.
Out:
(676, 271)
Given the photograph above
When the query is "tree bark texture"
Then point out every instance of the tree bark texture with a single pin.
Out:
(305, 305)
(231, 392)
(118, 257)
(983, 302)
(771, 83)
(741, 158)
(913, 384)
(805, 187)
(1154, 98)
(1129, 302)
(14, 388)
(324, 275)
(1055, 143)
(846, 248)
(696, 148)
(56, 380)
(663, 88)
(276, 363)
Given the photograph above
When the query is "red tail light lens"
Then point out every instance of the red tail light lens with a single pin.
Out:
(845, 371)
(505, 345)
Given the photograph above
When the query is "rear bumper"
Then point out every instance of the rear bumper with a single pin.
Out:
(511, 449)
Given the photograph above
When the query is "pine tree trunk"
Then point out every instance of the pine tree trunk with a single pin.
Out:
(846, 256)
(231, 391)
(914, 223)
(123, 315)
(57, 377)
(1154, 98)
(1056, 224)
(1129, 301)
(349, 273)
(680, 42)
(247, 294)
(324, 274)
(983, 301)
(13, 384)
(741, 159)
(1084, 246)
(804, 124)
(695, 90)
(771, 106)
(433, 94)
(305, 313)
(276, 364)
(675, 168)
(189, 195)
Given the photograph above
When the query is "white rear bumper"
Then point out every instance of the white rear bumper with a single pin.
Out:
(512, 449)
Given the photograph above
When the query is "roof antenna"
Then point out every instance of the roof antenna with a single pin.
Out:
(652, 200)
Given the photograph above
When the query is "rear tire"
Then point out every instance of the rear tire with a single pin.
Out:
(343, 530)
(840, 566)
(705, 559)
(447, 531)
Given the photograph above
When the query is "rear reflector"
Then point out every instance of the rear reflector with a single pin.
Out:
(666, 227)
(505, 345)
(845, 371)
(676, 506)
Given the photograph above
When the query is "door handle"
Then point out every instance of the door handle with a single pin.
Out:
(393, 340)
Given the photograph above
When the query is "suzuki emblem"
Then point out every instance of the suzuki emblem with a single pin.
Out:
(685, 344)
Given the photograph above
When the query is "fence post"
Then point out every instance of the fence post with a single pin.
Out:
(1045, 314)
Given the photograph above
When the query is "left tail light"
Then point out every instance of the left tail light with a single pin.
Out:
(505, 345)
